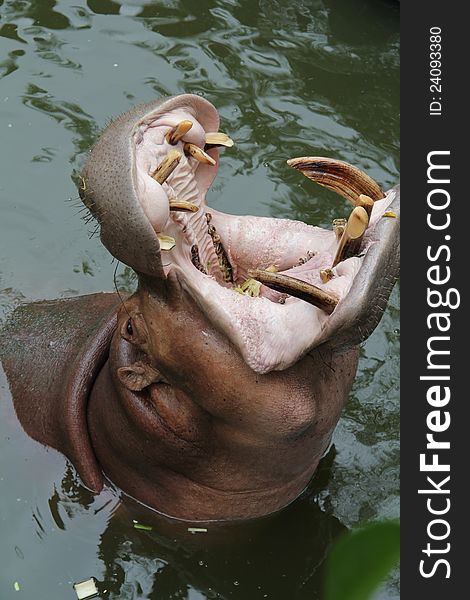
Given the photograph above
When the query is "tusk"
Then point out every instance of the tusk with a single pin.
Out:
(300, 289)
(218, 139)
(198, 154)
(183, 206)
(351, 239)
(167, 166)
(177, 133)
(166, 242)
(341, 177)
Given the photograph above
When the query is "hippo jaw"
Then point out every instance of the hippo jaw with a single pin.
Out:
(214, 254)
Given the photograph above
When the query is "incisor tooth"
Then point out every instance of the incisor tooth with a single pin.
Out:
(178, 132)
(167, 166)
(351, 239)
(217, 138)
(198, 154)
(295, 287)
(366, 202)
(341, 177)
(183, 206)
(339, 225)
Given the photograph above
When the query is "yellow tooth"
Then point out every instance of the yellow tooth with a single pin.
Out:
(339, 225)
(167, 166)
(366, 202)
(295, 287)
(326, 275)
(198, 154)
(351, 239)
(217, 138)
(178, 132)
(339, 176)
(166, 242)
(183, 206)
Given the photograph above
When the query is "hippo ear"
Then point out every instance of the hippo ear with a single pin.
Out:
(138, 376)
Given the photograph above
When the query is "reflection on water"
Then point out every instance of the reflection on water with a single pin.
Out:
(313, 77)
(279, 557)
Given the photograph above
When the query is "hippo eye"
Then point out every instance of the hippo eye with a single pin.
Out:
(129, 327)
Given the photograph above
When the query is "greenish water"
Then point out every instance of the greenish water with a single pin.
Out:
(318, 77)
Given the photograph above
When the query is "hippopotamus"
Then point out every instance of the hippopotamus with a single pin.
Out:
(212, 392)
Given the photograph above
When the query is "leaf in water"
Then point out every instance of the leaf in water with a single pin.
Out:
(86, 268)
(143, 527)
(359, 562)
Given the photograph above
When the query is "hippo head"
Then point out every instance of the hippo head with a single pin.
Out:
(240, 341)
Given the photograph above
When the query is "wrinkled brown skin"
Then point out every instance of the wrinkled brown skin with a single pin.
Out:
(216, 442)
(169, 411)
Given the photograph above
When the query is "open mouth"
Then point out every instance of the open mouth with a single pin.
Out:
(271, 285)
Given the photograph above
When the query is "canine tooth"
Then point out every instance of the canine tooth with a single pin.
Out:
(183, 206)
(217, 138)
(339, 225)
(351, 239)
(198, 154)
(341, 177)
(166, 242)
(300, 289)
(177, 133)
(167, 166)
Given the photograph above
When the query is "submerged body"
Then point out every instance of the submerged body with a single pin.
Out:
(204, 395)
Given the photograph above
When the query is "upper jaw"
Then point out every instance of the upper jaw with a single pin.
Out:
(271, 331)
(109, 188)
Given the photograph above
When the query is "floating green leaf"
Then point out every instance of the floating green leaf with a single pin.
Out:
(360, 561)
(143, 527)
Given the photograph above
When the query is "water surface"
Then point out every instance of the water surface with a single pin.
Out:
(310, 77)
